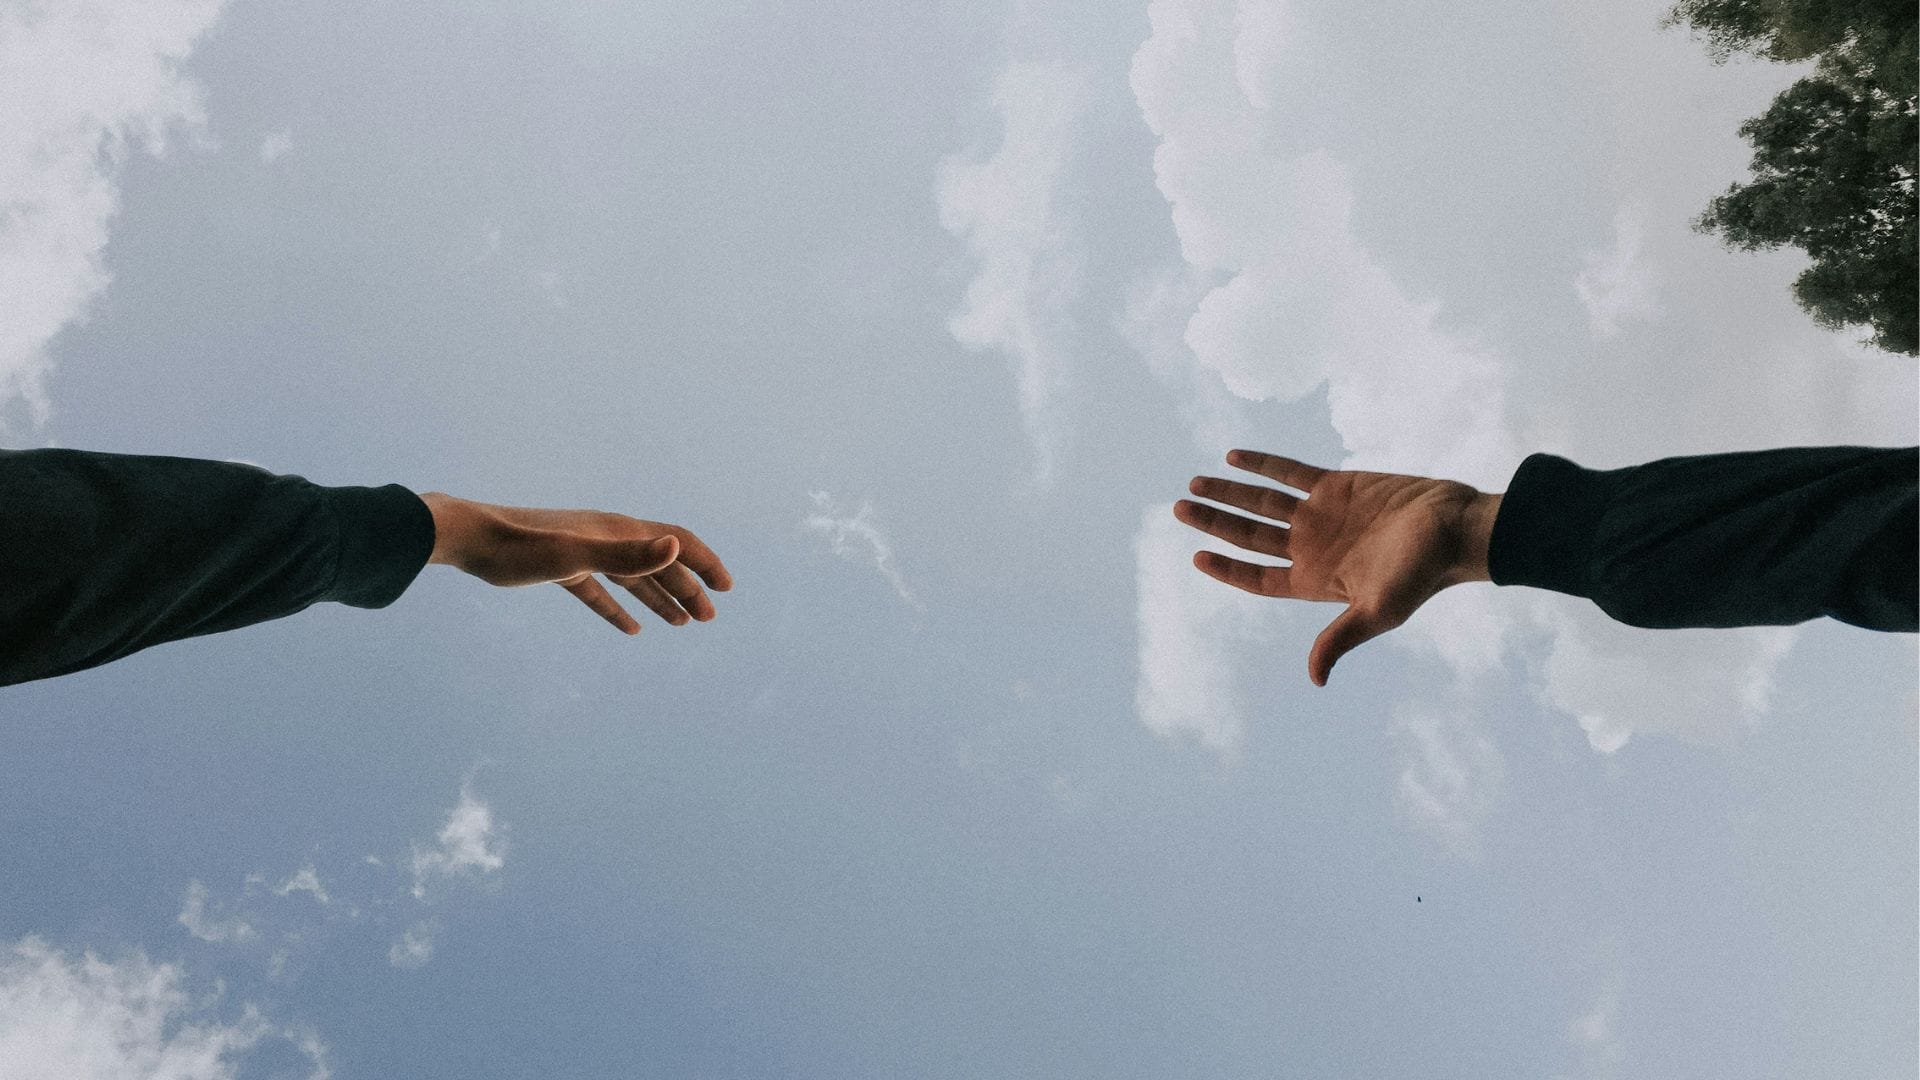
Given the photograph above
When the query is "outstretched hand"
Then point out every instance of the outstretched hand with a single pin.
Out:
(663, 566)
(1381, 543)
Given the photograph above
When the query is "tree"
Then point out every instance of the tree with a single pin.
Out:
(1835, 155)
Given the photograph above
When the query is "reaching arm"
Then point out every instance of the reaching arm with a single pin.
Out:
(1768, 537)
(102, 555)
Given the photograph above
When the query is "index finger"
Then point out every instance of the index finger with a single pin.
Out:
(1294, 474)
(695, 555)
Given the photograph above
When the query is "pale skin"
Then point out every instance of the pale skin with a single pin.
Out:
(1380, 543)
(665, 567)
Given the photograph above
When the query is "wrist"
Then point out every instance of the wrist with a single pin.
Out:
(454, 521)
(1476, 533)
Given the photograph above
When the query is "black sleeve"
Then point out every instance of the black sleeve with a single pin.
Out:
(1761, 538)
(102, 555)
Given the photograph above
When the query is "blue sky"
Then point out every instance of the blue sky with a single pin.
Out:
(922, 315)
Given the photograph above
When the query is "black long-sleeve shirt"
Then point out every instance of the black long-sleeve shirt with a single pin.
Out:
(1759, 538)
(102, 555)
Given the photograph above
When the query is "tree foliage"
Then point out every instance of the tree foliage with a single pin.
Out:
(1834, 155)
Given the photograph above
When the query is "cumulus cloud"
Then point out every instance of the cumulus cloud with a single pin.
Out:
(87, 84)
(1154, 324)
(856, 535)
(1278, 298)
(1451, 774)
(85, 1018)
(1700, 685)
(1004, 207)
(466, 846)
(1617, 284)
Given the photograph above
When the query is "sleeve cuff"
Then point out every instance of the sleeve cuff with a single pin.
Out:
(386, 537)
(1544, 534)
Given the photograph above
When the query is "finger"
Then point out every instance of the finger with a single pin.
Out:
(632, 556)
(695, 555)
(657, 599)
(1341, 636)
(1234, 529)
(1253, 498)
(1294, 474)
(685, 588)
(1253, 577)
(595, 596)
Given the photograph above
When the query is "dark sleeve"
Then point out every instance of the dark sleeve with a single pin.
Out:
(1761, 538)
(102, 555)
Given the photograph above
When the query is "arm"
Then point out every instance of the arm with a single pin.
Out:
(1757, 538)
(1767, 537)
(102, 555)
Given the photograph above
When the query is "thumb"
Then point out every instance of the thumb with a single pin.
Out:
(631, 557)
(1341, 637)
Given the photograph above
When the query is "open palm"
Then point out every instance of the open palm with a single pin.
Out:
(1381, 543)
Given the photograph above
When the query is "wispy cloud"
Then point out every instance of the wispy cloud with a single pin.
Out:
(86, 1018)
(1618, 284)
(306, 880)
(1004, 206)
(1451, 774)
(414, 947)
(86, 86)
(1189, 640)
(467, 846)
(279, 920)
(275, 146)
(856, 535)
(1595, 1033)
(206, 921)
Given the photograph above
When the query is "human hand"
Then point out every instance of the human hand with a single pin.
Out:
(662, 565)
(1382, 543)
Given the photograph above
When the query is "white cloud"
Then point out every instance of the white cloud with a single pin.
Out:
(1595, 1033)
(1700, 685)
(306, 880)
(1289, 301)
(856, 534)
(85, 85)
(1618, 284)
(1190, 630)
(89, 1019)
(467, 845)
(1154, 324)
(204, 920)
(1451, 774)
(275, 146)
(1004, 208)
(414, 947)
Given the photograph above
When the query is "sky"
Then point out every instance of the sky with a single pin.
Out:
(922, 315)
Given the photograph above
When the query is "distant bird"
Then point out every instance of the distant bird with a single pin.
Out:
(1416, 899)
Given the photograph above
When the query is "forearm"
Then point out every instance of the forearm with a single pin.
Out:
(1769, 537)
(102, 555)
